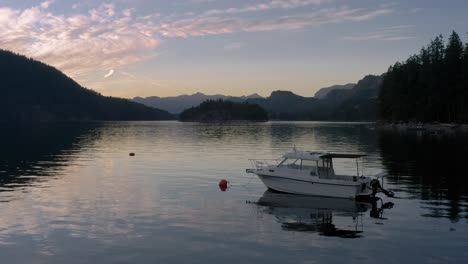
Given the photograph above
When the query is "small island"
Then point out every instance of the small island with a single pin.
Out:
(223, 110)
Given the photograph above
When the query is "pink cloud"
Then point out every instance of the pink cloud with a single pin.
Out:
(393, 33)
(77, 44)
(105, 38)
(46, 4)
(274, 4)
(211, 25)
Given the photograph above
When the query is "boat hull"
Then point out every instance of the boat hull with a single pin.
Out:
(348, 190)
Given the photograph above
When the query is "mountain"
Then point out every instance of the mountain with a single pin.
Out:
(34, 91)
(320, 94)
(222, 110)
(351, 102)
(285, 105)
(252, 96)
(177, 104)
(360, 103)
(356, 104)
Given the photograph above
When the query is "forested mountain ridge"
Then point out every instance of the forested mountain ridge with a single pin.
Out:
(429, 86)
(34, 91)
(356, 104)
(285, 105)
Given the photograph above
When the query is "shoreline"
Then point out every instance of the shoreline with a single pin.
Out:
(425, 128)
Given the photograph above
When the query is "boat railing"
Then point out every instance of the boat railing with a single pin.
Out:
(259, 164)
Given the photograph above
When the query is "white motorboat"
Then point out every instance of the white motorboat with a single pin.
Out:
(312, 173)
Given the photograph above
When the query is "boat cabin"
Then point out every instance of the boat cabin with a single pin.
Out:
(318, 163)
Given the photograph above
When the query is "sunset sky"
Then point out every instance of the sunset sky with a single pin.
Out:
(133, 48)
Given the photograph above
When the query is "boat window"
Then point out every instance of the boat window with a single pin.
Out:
(325, 168)
(326, 163)
(291, 163)
(345, 166)
(309, 164)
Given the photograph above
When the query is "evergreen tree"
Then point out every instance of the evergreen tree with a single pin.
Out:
(452, 75)
(464, 87)
(429, 86)
(437, 50)
(454, 55)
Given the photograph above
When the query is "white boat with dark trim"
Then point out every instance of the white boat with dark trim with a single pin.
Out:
(312, 173)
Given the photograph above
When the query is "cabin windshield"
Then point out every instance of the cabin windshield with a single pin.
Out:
(291, 163)
(300, 164)
(309, 164)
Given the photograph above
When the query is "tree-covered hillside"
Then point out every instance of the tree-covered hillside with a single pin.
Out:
(285, 105)
(429, 86)
(34, 91)
(221, 110)
(359, 103)
(356, 104)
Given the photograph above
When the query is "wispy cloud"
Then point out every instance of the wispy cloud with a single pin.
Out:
(233, 46)
(109, 74)
(105, 37)
(393, 33)
(77, 44)
(46, 4)
(212, 25)
(275, 4)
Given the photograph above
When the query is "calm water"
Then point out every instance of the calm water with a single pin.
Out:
(71, 194)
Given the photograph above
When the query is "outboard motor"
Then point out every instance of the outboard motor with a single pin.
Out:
(376, 187)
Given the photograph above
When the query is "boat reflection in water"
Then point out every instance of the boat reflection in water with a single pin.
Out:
(316, 214)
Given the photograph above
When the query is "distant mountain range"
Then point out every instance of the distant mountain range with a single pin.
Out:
(339, 102)
(177, 104)
(356, 104)
(33, 91)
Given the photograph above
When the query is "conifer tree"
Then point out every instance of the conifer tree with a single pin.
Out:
(429, 86)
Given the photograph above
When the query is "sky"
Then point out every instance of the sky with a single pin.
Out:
(129, 48)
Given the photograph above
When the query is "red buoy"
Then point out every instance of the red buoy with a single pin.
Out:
(223, 185)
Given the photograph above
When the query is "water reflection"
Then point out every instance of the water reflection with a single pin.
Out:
(28, 153)
(112, 208)
(329, 217)
(429, 168)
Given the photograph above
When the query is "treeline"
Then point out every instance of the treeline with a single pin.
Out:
(429, 86)
(33, 91)
(222, 110)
